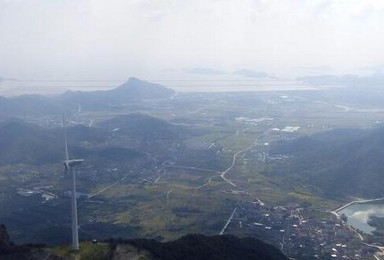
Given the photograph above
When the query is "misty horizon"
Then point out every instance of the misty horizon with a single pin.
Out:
(54, 40)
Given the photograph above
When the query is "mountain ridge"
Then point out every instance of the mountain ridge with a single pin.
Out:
(189, 247)
(341, 163)
(134, 90)
(131, 91)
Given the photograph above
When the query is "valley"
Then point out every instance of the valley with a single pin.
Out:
(265, 164)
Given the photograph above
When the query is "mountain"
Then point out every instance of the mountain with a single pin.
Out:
(27, 105)
(135, 89)
(10, 251)
(189, 247)
(4, 237)
(195, 246)
(29, 144)
(144, 127)
(131, 91)
(340, 163)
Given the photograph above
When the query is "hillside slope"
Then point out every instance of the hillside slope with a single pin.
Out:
(190, 247)
(340, 163)
(132, 91)
(194, 246)
(30, 144)
(143, 126)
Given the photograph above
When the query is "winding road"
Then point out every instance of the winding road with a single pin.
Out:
(234, 161)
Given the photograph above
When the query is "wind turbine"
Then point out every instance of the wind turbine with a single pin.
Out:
(70, 165)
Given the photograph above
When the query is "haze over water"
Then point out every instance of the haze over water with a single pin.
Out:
(54, 87)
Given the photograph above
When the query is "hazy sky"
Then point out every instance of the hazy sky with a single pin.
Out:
(113, 39)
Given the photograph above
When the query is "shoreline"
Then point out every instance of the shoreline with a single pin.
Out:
(335, 211)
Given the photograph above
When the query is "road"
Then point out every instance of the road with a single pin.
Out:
(104, 189)
(161, 175)
(355, 202)
(234, 161)
(207, 183)
(228, 221)
(191, 168)
(380, 248)
(168, 194)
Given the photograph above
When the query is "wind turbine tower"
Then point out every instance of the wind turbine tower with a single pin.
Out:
(70, 166)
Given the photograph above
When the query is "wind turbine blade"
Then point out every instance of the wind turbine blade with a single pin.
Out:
(65, 140)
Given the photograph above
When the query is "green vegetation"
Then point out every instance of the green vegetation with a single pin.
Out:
(340, 163)
(201, 247)
(161, 169)
(88, 251)
(188, 247)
